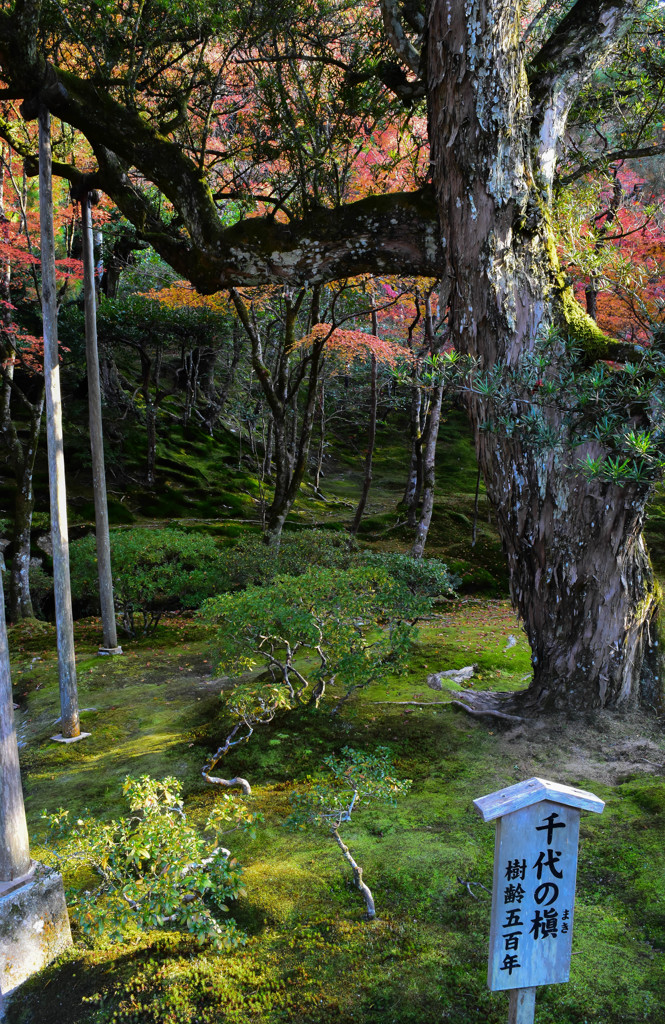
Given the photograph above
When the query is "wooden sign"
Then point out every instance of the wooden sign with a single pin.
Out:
(533, 894)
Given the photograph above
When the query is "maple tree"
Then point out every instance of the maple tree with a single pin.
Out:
(612, 244)
(169, 131)
(288, 370)
(22, 384)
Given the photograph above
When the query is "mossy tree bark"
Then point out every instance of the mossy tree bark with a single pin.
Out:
(580, 575)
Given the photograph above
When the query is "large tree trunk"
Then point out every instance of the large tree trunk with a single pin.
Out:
(580, 575)
(580, 578)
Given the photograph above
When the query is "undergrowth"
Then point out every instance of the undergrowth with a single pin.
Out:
(310, 956)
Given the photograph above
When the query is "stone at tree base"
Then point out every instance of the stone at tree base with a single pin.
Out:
(454, 675)
(34, 926)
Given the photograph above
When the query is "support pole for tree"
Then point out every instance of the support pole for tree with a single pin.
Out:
(14, 848)
(109, 630)
(64, 621)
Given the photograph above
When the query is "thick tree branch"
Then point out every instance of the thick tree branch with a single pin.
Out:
(565, 63)
(397, 37)
(381, 234)
(394, 78)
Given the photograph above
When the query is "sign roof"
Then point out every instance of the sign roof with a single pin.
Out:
(532, 791)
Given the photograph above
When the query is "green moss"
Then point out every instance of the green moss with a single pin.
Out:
(583, 332)
(310, 957)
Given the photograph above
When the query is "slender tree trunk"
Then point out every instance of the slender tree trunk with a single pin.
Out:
(151, 443)
(20, 601)
(150, 379)
(579, 572)
(14, 847)
(320, 451)
(371, 440)
(429, 472)
(102, 539)
(267, 450)
(412, 491)
(292, 471)
(56, 463)
(292, 434)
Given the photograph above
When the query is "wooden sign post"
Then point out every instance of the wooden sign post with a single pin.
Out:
(533, 893)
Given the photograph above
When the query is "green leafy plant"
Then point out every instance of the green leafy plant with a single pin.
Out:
(313, 631)
(251, 562)
(156, 869)
(355, 779)
(153, 571)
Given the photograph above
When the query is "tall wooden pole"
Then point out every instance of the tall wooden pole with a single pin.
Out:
(96, 436)
(64, 621)
(14, 849)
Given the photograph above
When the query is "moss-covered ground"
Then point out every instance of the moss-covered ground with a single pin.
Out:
(310, 956)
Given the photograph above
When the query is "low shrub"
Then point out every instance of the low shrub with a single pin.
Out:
(153, 571)
(154, 869)
(251, 562)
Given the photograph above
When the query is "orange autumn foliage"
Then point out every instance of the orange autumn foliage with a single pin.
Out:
(347, 346)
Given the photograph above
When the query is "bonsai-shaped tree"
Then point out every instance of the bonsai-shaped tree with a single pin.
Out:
(356, 779)
(311, 630)
(156, 869)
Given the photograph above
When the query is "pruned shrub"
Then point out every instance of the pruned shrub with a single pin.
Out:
(153, 571)
(251, 562)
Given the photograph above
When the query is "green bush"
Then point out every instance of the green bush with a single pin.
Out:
(251, 562)
(351, 626)
(154, 870)
(153, 571)
(41, 588)
(422, 577)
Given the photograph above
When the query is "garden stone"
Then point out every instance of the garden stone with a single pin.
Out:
(455, 675)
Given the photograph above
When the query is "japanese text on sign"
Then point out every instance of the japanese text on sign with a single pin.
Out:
(533, 896)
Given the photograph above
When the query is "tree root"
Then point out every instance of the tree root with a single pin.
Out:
(490, 712)
(483, 703)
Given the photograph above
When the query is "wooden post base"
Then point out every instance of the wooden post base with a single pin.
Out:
(522, 1006)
